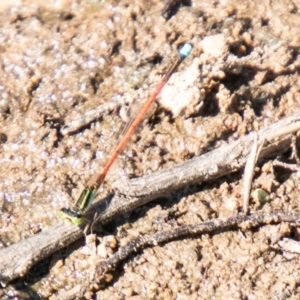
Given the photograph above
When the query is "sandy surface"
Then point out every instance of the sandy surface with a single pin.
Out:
(61, 60)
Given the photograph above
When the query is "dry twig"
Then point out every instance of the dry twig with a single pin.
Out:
(17, 259)
(140, 243)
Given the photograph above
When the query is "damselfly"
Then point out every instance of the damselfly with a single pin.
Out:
(87, 195)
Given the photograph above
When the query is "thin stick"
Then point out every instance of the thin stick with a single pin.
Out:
(17, 259)
(136, 245)
(291, 167)
(249, 171)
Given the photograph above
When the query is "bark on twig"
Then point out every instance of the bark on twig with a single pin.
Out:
(17, 259)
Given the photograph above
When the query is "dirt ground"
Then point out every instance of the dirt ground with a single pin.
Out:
(61, 60)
